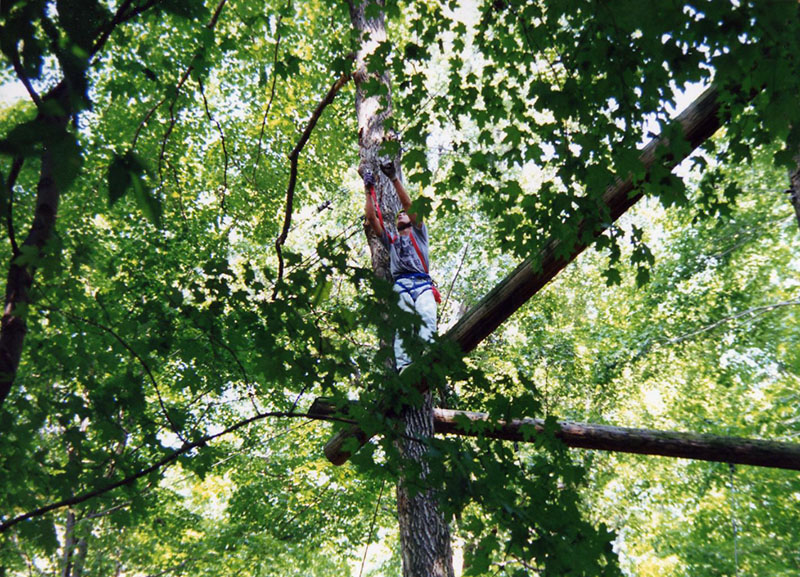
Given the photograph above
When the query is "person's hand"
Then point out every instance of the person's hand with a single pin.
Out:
(369, 179)
(388, 168)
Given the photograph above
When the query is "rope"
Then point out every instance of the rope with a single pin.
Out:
(371, 528)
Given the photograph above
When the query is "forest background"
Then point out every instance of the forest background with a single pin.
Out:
(167, 348)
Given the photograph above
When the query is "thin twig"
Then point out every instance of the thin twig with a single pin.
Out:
(455, 276)
(749, 312)
(121, 16)
(222, 139)
(285, 524)
(372, 527)
(174, 428)
(271, 96)
(166, 460)
(293, 157)
(210, 26)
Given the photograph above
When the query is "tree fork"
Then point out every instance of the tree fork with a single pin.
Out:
(699, 121)
(701, 447)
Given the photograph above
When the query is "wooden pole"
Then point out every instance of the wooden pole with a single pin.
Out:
(699, 121)
(702, 447)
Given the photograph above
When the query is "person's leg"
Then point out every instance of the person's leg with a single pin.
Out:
(401, 357)
(426, 309)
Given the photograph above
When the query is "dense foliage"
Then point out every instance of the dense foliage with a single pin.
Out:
(166, 365)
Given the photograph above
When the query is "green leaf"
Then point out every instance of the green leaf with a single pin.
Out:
(147, 200)
(126, 173)
(613, 276)
(66, 158)
(183, 8)
(119, 179)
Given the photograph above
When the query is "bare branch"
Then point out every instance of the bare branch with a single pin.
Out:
(222, 138)
(293, 157)
(210, 26)
(120, 16)
(166, 460)
(455, 276)
(15, 61)
(173, 427)
(703, 447)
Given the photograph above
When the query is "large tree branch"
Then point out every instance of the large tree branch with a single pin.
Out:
(703, 447)
(24, 79)
(699, 121)
(293, 159)
(20, 275)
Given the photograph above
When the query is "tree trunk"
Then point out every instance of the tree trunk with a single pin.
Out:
(20, 276)
(698, 122)
(794, 189)
(69, 545)
(424, 534)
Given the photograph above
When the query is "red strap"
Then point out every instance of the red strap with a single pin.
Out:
(419, 252)
(378, 212)
(436, 296)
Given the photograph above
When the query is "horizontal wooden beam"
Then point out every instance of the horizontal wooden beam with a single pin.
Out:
(702, 447)
(698, 123)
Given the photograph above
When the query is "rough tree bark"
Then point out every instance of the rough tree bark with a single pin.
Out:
(424, 534)
(794, 189)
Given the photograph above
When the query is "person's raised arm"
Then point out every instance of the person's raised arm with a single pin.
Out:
(388, 168)
(369, 205)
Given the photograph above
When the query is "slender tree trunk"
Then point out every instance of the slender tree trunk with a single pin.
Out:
(424, 534)
(80, 558)
(69, 545)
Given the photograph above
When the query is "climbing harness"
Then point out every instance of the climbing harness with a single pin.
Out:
(436, 295)
(426, 280)
(417, 284)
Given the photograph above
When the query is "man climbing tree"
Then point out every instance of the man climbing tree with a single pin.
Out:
(408, 259)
